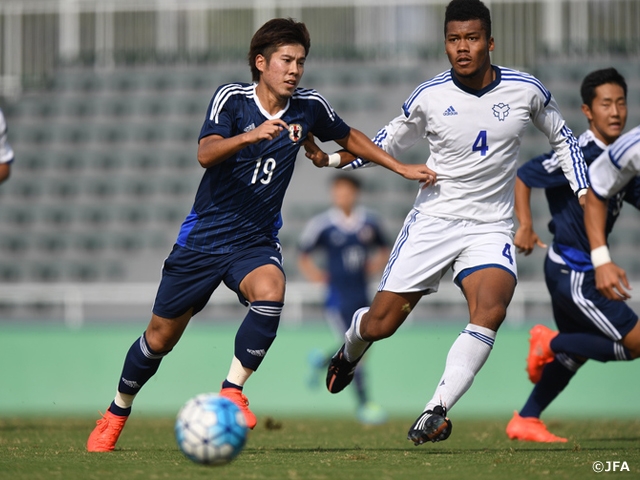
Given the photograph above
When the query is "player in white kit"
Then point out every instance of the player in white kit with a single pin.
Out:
(610, 173)
(474, 117)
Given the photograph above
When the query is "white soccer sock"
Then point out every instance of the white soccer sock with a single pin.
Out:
(465, 359)
(354, 345)
(237, 373)
(123, 400)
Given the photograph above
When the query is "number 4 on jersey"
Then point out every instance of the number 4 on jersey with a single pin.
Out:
(481, 145)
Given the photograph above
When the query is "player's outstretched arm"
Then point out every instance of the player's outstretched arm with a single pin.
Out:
(526, 238)
(359, 145)
(611, 280)
(321, 159)
(215, 148)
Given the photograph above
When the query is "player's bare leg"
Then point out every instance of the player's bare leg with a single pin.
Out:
(488, 293)
(264, 288)
(141, 363)
(388, 311)
(632, 341)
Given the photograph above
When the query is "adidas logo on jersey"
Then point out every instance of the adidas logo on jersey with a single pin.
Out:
(450, 111)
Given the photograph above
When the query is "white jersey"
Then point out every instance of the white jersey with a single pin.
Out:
(6, 152)
(474, 139)
(616, 167)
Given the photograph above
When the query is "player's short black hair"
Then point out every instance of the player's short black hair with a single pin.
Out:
(273, 34)
(345, 177)
(464, 10)
(599, 77)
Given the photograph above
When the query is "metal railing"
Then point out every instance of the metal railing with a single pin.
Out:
(76, 298)
(38, 35)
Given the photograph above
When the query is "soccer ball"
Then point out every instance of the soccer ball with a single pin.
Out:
(211, 429)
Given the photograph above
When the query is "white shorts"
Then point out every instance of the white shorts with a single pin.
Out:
(428, 246)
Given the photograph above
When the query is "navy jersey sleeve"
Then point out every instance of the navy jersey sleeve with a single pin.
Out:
(543, 171)
(380, 239)
(312, 234)
(221, 114)
(632, 193)
(327, 124)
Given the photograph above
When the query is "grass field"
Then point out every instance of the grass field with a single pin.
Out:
(53, 448)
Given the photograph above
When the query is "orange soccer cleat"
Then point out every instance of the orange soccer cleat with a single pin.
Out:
(105, 435)
(237, 397)
(530, 429)
(540, 352)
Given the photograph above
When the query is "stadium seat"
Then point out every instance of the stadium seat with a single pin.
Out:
(52, 243)
(11, 272)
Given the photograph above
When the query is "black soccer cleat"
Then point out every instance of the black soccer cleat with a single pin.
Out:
(432, 425)
(340, 371)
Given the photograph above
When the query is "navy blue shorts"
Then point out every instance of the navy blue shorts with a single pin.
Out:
(189, 278)
(579, 307)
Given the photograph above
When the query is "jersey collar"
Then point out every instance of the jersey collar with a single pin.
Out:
(589, 136)
(482, 91)
(263, 111)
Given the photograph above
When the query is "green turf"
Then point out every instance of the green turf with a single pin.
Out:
(48, 448)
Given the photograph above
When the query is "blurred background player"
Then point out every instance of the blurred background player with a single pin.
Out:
(248, 145)
(6, 152)
(473, 116)
(590, 326)
(354, 248)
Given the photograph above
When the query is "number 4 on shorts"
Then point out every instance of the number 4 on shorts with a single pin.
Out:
(506, 252)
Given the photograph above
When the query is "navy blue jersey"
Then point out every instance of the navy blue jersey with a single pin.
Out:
(239, 200)
(346, 242)
(567, 222)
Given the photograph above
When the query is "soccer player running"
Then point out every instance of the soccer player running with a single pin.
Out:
(473, 117)
(590, 326)
(354, 247)
(248, 146)
(6, 152)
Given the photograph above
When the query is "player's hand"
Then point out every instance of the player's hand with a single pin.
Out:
(526, 240)
(612, 283)
(268, 130)
(421, 172)
(314, 153)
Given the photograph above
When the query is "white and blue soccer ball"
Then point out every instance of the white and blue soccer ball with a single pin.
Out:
(211, 429)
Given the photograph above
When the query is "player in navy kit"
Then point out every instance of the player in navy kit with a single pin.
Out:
(589, 325)
(353, 247)
(6, 152)
(248, 145)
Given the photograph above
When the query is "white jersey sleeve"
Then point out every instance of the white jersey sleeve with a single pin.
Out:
(548, 119)
(617, 166)
(6, 152)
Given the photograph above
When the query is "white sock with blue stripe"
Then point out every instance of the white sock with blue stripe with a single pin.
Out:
(465, 359)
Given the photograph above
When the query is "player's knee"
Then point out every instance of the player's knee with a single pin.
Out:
(489, 317)
(161, 339)
(631, 341)
(377, 328)
(269, 291)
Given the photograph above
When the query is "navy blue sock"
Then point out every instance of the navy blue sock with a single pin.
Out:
(589, 345)
(140, 364)
(257, 333)
(555, 377)
(116, 410)
(228, 384)
(358, 383)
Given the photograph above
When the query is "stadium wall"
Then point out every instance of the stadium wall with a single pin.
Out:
(56, 371)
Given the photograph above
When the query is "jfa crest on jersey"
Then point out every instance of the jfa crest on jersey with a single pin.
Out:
(474, 138)
(239, 199)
